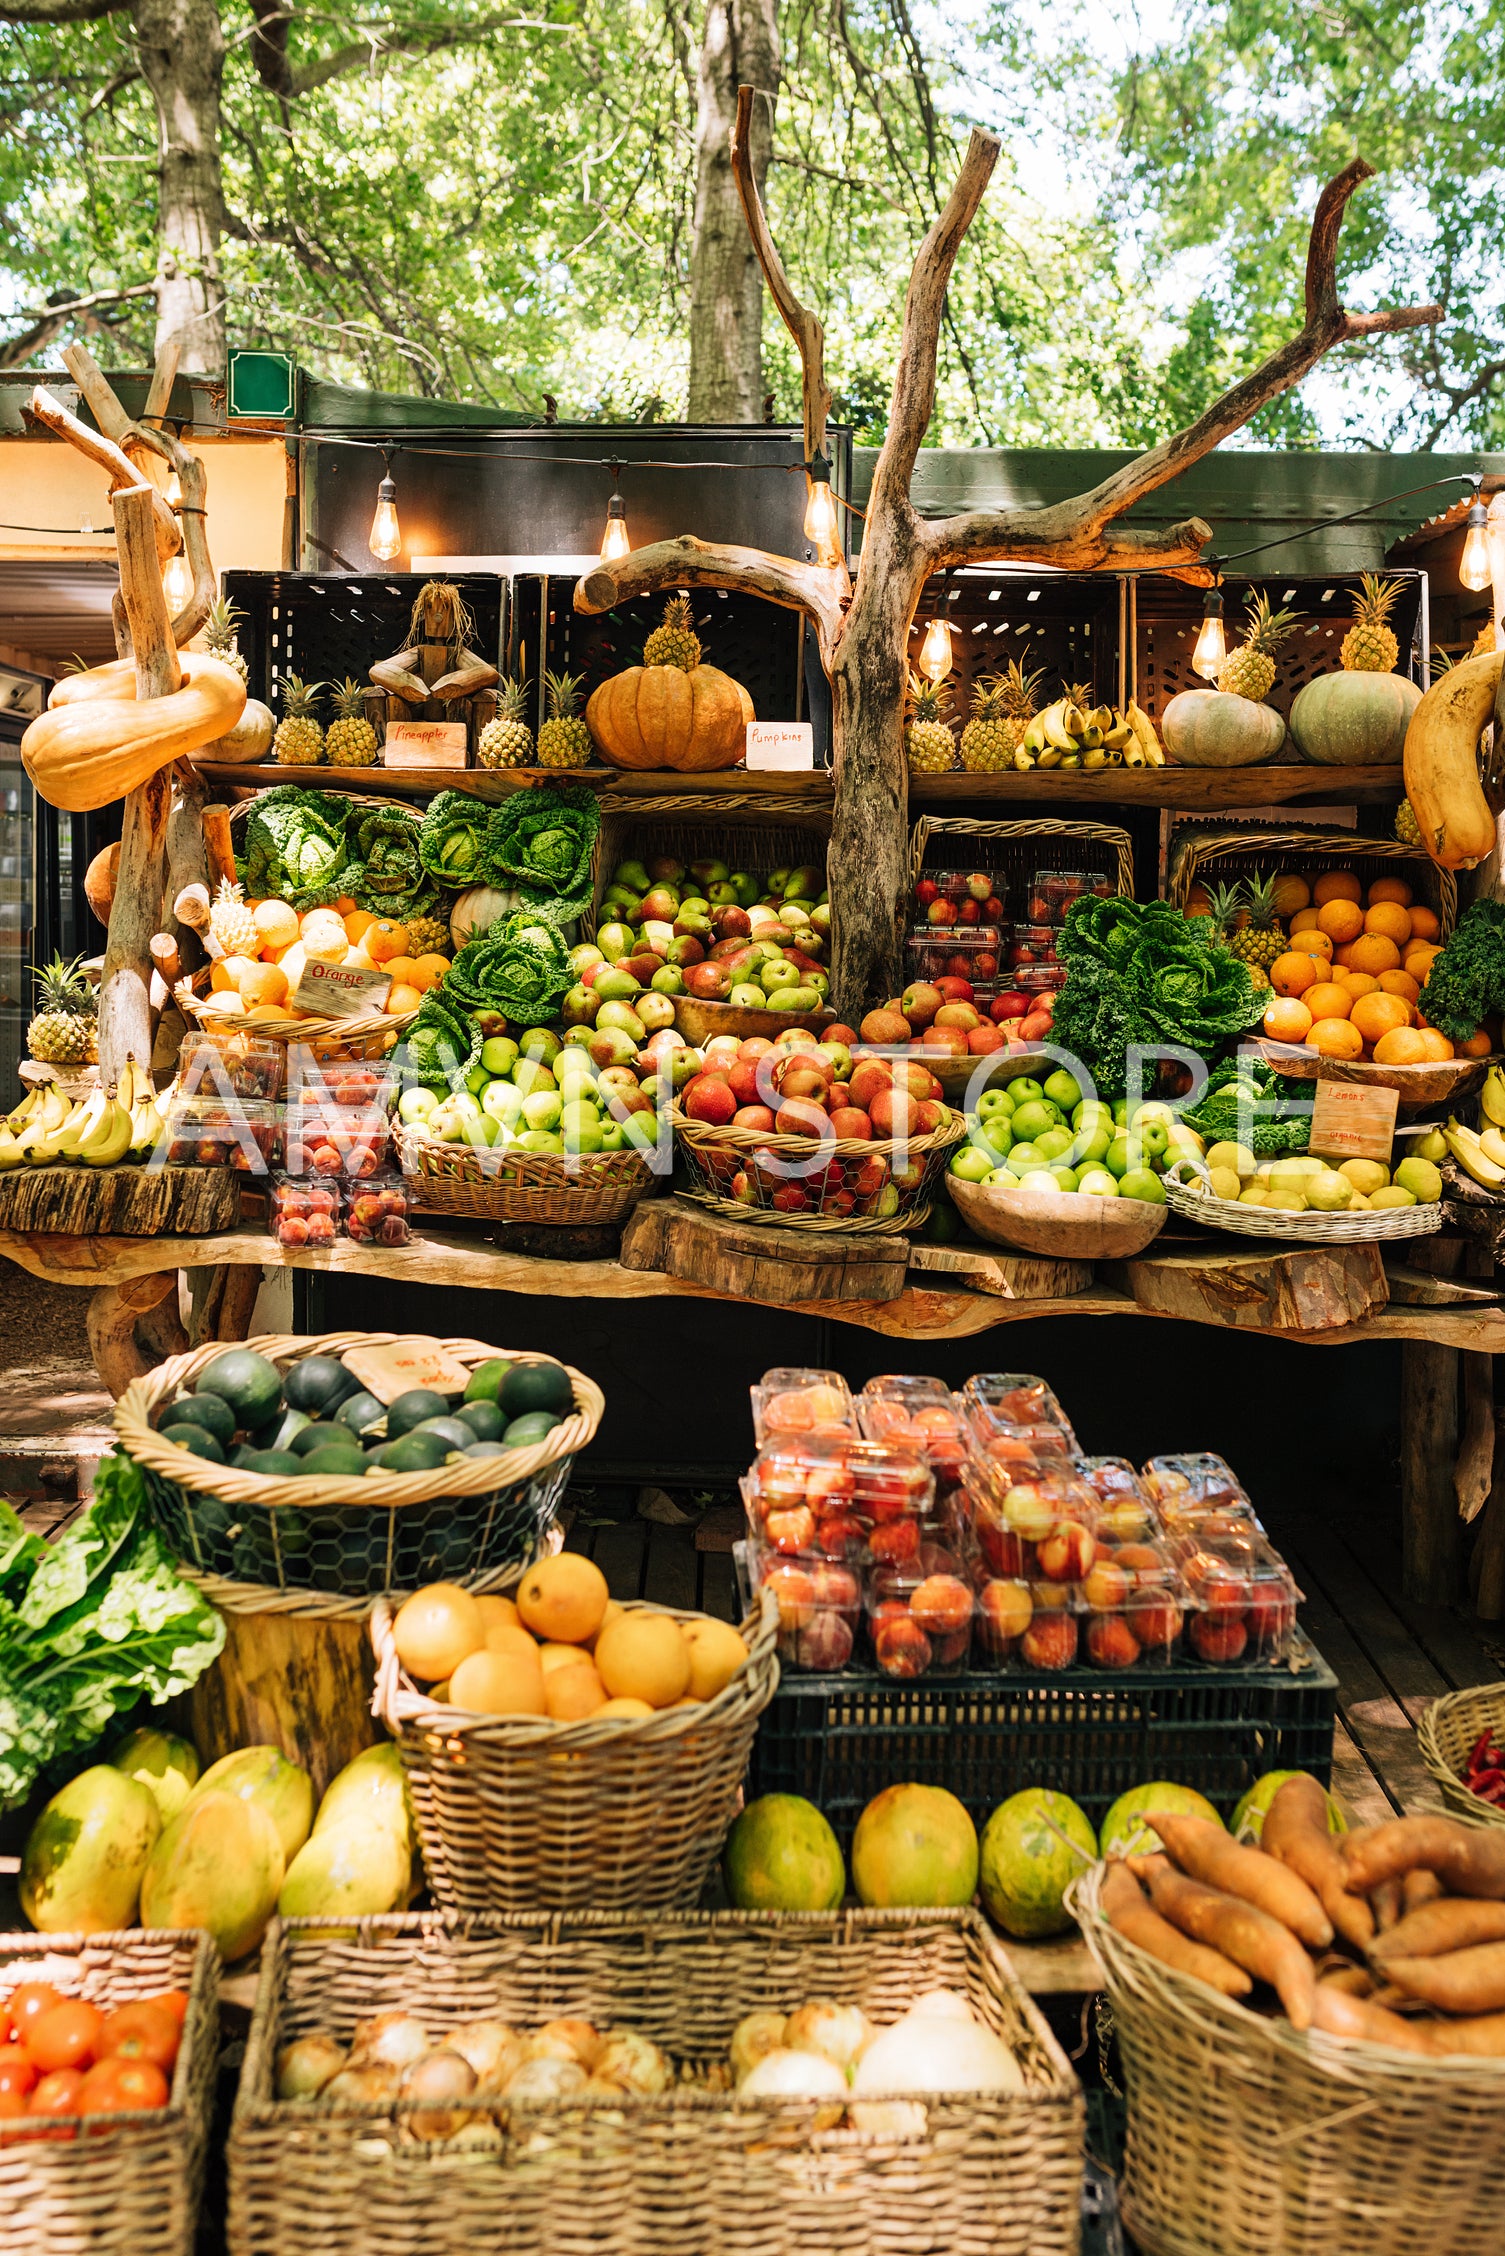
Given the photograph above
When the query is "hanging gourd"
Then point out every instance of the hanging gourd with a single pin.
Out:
(671, 712)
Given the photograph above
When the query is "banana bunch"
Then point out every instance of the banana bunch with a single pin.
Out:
(1069, 736)
(1480, 1156)
(100, 1130)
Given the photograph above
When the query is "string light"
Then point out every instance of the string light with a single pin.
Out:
(1212, 647)
(386, 533)
(820, 512)
(935, 650)
(615, 541)
(1474, 569)
(177, 584)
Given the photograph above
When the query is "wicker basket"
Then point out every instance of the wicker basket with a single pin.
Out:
(522, 1186)
(1018, 848)
(1446, 1736)
(381, 1532)
(116, 2185)
(1207, 857)
(690, 829)
(523, 1814)
(689, 2172)
(1194, 1202)
(715, 1157)
(1249, 2139)
(371, 1036)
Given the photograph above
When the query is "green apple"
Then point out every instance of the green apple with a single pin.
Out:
(639, 1131)
(995, 1101)
(1054, 1144)
(998, 1136)
(612, 1136)
(589, 1138)
(501, 1053)
(819, 981)
(1091, 1145)
(1033, 1118)
(1123, 1153)
(973, 1165)
(776, 973)
(1035, 1164)
(1065, 1176)
(1153, 1135)
(1094, 1111)
(1096, 1182)
(1002, 1179)
(501, 1101)
(1026, 1091)
(575, 1114)
(476, 1079)
(1142, 1183)
(1063, 1089)
(542, 1108)
(417, 1104)
(747, 995)
(540, 1140)
(1120, 1112)
(1153, 1111)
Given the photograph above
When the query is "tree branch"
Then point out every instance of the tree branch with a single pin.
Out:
(121, 472)
(359, 54)
(58, 11)
(820, 591)
(803, 327)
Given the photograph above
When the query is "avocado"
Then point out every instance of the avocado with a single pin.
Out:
(197, 1438)
(343, 1463)
(455, 1432)
(530, 1428)
(247, 1381)
(360, 1413)
(485, 1379)
(410, 1410)
(536, 1386)
(207, 1410)
(412, 1453)
(279, 1432)
(322, 1436)
(484, 1419)
(319, 1384)
(276, 1464)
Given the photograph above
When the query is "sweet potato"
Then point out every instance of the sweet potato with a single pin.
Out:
(1483, 2036)
(1448, 1923)
(1462, 1981)
(1467, 1860)
(1387, 1902)
(1338, 2014)
(1131, 1916)
(1420, 1887)
(1354, 1981)
(1206, 1853)
(1295, 1833)
(1242, 1932)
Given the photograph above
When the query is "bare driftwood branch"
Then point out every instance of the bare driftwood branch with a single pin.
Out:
(803, 326)
(120, 470)
(820, 591)
(155, 451)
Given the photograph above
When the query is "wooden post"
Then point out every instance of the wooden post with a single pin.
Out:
(1487, 1566)
(1430, 1547)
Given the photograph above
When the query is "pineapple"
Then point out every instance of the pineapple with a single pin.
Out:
(219, 634)
(1369, 647)
(1003, 705)
(675, 643)
(350, 742)
(65, 1030)
(507, 742)
(1261, 936)
(1484, 641)
(1407, 828)
(564, 741)
(232, 926)
(299, 742)
(1249, 671)
(928, 742)
(1224, 909)
(428, 937)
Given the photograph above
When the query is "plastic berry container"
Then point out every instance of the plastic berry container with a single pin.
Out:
(1029, 945)
(378, 1210)
(244, 1135)
(331, 1086)
(221, 1064)
(792, 1400)
(978, 885)
(960, 951)
(1052, 891)
(1046, 1525)
(1128, 1516)
(819, 1602)
(841, 1497)
(918, 1623)
(1241, 1599)
(1198, 1492)
(916, 1413)
(1019, 1398)
(302, 1213)
(335, 1142)
(1027, 1624)
(1136, 1607)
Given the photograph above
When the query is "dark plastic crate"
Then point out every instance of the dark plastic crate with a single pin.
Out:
(839, 1740)
(323, 626)
(1168, 619)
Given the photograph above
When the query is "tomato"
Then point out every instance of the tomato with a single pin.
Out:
(27, 2001)
(57, 2094)
(112, 2085)
(66, 2035)
(18, 2070)
(174, 2002)
(142, 2031)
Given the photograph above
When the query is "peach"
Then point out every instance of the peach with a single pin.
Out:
(1111, 1643)
(1067, 1552)
(1050, 1641)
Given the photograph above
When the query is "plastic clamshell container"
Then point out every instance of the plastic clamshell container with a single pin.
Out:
(1029, 944)
(916, 1413)
(1027, 1622)
(1017, 1397)
(1198, 1491)
(1128, 1514)
(819, 1602)
(303, 1212)
(1039, 979)
(837, 1495)
(957, 951)
(1241, 1598)
(792, 1400)
(1136, 1607)
(1052, 891)
(329, 1085)
(336, 1142)
(220, 1063)
(244, 1134)
(1044, 1525)
(961, 884)
(378, 1210)
(919, 1622)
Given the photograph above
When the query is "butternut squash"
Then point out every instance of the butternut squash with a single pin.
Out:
(95, 743)
(663, 717)
(1442, 767)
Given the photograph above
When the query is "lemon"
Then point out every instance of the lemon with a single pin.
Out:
(1329, 1192)
(1225, 1182)
(1396, 1195)
(1366, 1175)
(1256, 1195)
(1421, 1178)
(1287, 1201)
(1238, 1157)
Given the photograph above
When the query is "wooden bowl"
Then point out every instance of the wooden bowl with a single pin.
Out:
(955, 1073)
(1067, 1226)
(1443, 1081)
(698, 1021)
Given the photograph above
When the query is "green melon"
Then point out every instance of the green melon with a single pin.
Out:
(485, 1379)
(1125, 1832)
(410, 1410)
(781, 1855)
(319, 1384)
(535, 1386)
(914, 1845)
(210, 1411)
(166, 1766)
(485, 1420)
(247, 1381)
(197, 1440)
(1033, 1846)
(264, 1775)
(82, 1866)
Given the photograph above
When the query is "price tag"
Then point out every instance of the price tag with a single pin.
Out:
(333, 991)
(389, 1371)
(1353, 1121)
(425, 744)
(780, 744)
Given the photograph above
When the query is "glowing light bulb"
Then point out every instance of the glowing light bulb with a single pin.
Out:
(177, 584)
(1212, 646)
(1473, 570)
(935, 650)
(615, 541)
(174, 494)
(386, 533)
(820, 513)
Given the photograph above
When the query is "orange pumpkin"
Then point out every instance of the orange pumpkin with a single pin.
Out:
(663, 717)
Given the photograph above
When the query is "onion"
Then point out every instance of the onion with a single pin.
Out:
(479, 2135)
(566, 2040)
(395, 2040)
(478, 910)
(304, 2068)
(439, 2076)
(929, 2053)
(798, 2075)
(545, 2079)
(941, 2005)
(374, 2087)
(633, 2064)
(755, 2035)
(493, 2049)
(839, 2033)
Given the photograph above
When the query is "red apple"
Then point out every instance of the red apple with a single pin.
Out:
(985, 965)
(801, 1116)
(892, 1113)
(754, 1116)
(709, 1098)
(926, 891)
(849, 1124)
(845, 1035)
(956, 987)
(708, 982)
(941, 913)
(913, 1075)
(992, 910)
(867, 1079)
(962, 1015)
(969, 912)
(945, 1041)
(1035, 1028)
(1009, 1005)
(985, 1039)
(798, 1074)
(836, 1587)
(920, 1002)
(790, 1199)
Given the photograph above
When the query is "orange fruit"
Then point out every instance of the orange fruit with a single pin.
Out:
(402, 999)
(1404, 1046)
(1337, 885)
(357, 923)
(1424, 923)
(1292, 894)
(1378, 1015)
(498, 1684)
(1477, 1045)
(1390, 889)
(277, 923)
(344, 905)
(1341, 919)
(1287, 1019)
(570, 1694)
(635, 1709)
(1375, 952)
(497, 1612)
(1328, 1000)
(643, 1657)
(563, 1599)
(511, 1637)
(1305, 920)
(1390, 918)
(1291, 973)
(1310, 942)
(221, 980)
(1400, 983)
(262, 983)
(401, 969)
(1336, 1038)
(1419, 961)
(436, 1629)
(428, 971)
(382, 940)
(1357, 982)
(1435, 1045)
(716, 1654)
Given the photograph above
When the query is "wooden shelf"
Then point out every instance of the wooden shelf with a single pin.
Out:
(811, 786)
(1191, 789)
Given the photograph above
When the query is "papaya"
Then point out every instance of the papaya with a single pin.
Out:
(265, 1776)
(218, 1865)
(371, 1790)
(1442, 766)
(349, 1870)
(82, 1867)
(166, 1766)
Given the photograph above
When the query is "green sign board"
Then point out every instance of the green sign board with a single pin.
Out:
(263, 387)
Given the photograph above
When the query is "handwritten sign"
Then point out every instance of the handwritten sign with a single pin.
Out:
(780, 744)
(338, 991)
(1350, 1121)
(390, 1371)
(425, 744)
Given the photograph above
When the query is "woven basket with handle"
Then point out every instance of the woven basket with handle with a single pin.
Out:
(126, 2184)
(385, 1531)
(1447, 1734)
(692, 2171)
(514, 1186)
(1247, 2138)
(517, 1813)
(715, 1157)
(1017, 849)
(1208, 857)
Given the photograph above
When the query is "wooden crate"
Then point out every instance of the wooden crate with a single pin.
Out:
(1210, 857)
